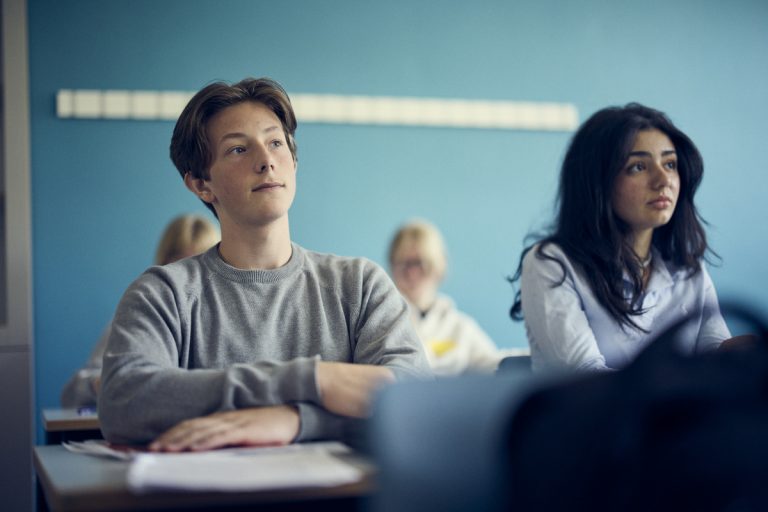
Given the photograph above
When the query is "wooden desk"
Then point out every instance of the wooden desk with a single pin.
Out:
(70, 425)
(76, 482)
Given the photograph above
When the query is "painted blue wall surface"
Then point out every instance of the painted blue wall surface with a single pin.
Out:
(103, 190)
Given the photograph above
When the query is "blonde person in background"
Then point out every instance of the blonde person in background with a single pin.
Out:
(454, 342)
(186, 235)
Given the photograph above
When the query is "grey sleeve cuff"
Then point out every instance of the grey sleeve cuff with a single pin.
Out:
(319, 424)
(271, 383)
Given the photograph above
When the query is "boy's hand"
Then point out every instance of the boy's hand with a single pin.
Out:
(258, 426)
(347, 389)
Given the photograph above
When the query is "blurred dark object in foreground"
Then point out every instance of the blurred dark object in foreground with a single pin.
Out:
(669, 431)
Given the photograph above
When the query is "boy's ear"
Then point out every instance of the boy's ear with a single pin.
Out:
(199, 187)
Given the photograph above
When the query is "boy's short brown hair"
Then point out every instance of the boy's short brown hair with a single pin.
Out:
(190, 151)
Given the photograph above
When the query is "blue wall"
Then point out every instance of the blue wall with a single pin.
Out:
(102, 190)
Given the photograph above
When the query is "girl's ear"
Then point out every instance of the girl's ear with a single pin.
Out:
(199, 187)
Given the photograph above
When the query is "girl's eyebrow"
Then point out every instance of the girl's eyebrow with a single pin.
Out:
(666, 152)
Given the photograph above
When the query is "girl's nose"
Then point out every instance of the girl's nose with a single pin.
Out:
(661, 176)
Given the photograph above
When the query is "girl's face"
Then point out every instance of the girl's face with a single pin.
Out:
(646, 189)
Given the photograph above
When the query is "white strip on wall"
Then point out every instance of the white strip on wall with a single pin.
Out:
(335, 109)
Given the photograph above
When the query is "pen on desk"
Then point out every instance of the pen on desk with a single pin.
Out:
(86, 411)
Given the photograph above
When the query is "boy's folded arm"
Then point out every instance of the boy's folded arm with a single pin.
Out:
(382, 332)
(140, 399)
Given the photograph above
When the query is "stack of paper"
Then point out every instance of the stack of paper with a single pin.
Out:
(240, 469)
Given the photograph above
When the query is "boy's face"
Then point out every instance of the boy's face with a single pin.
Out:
(253, 173)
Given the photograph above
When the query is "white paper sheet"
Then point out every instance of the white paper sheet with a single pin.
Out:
(239, 469)
(99, 448)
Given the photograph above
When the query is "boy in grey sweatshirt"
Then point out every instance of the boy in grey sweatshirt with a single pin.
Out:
(258, 340)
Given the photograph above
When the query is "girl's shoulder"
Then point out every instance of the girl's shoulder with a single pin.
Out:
(547, 261)
(546, 253)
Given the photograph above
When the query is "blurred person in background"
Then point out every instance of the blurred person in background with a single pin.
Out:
(186, 235)
(454, 342)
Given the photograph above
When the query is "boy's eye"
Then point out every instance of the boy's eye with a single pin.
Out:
(237, 150)
(276, 143)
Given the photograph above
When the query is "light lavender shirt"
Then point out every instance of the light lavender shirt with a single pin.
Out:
(568, 329)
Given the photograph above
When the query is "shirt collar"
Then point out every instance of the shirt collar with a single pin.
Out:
(661, 277)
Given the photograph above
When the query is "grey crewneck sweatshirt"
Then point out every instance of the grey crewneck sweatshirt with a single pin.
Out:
(199, 336)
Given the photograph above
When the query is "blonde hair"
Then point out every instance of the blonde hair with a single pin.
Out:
(427, 238)
(184, 235)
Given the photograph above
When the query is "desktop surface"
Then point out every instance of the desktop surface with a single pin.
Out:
(70, 425)
(71, 481)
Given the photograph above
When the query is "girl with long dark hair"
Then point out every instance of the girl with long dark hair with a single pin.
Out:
(623, 259)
